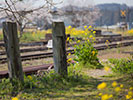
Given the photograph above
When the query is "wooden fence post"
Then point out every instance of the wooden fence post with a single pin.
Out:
(13, 53)
(59, 48)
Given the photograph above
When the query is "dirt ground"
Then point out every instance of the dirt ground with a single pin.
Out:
(122, 52)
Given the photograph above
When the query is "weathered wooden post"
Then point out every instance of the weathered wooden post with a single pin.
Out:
(13, 53)
(59, 48)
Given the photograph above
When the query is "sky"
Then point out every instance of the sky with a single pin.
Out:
(94, 2)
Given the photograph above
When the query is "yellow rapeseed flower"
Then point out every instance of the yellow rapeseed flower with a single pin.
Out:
(82, 32)
(29, 77)
(106, 68)
(85, 27)
(93, 52)
(94, 32)
(100, 94)
(128, 97)
(69, 27)
(78, 41)
(101, 86)
(121, 86)
(90, 26)
(90, 36)
(105, 97)
(130, 93)
(69, 54)
(114, 84)
(110, 96)
(69, 60)
(85, 33)
(15, 98)
(117, 89)
(68, 39)
(88, 40)
(107, 40)
(131, 88)
(69, 48)
(93, 38)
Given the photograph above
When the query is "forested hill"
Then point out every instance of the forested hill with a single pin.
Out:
(111, 14)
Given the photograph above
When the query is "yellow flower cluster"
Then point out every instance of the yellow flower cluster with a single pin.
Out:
(106, 68)
(74, 31)
(29, 77)
(15, 98)
(130, 32)
(106, 97)
(69, 60)
(102, 86)
(117, 88)
(129, 95)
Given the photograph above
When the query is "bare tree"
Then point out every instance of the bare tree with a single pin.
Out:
(25, 11)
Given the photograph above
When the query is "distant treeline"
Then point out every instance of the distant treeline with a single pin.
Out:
(111, 14)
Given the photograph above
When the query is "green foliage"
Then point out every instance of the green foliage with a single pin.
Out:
(123, 66)
(36, 86)
(85, 52)
(29, 37)
(1, 36)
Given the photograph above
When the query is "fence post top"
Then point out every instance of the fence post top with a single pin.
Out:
(8, 22)
(58, 28)
(57, 21)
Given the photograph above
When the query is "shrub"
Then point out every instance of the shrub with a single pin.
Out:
(85, 52)
(123, 66)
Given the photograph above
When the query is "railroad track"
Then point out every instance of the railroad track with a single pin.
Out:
(34, 69)
(49, 53)
(41, 46)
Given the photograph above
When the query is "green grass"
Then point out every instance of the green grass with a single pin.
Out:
(1, 36)
(78, 85)
(30, 37)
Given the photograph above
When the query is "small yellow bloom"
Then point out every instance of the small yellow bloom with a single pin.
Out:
(69, 60)
(68, 39)
(85, 27)
(15, 98)
(121, 86)
(29, 77)
(90, 36)
(94, 32)
(69, 27)
(130, 93)
(69, 54)
(78, 41)
(85, 33)
(93, 38)
(106, 68)
(101, 86)
(110, 96)
(82, 32)
(100, 94)
(117, 89)
(131, 88)
(114, 84)
(107, 40)
(128, 97)
(68, 48)
(90, 26)
(88, 40)
(105, 97)
(93, 52)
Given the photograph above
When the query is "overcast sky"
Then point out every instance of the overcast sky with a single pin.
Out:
(128, 2)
